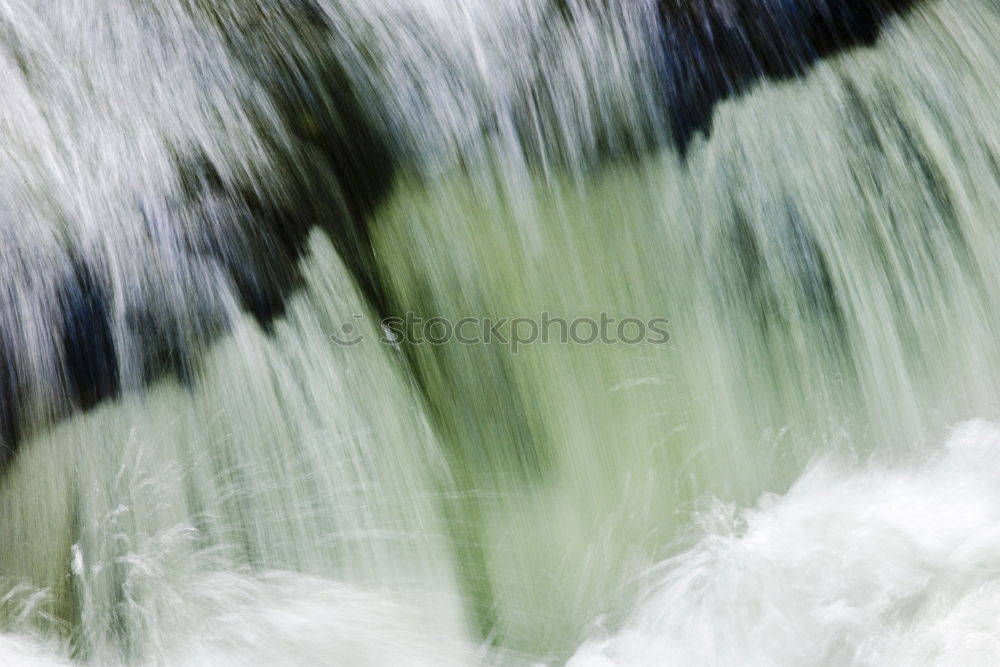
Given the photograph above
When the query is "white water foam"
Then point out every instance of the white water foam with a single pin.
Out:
(886, 565)
(270, 619)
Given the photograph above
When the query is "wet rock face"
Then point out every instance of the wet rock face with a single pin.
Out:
(337, 168)
(87, 316)
(710, 50)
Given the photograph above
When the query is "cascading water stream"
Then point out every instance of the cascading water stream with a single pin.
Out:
(216, 448)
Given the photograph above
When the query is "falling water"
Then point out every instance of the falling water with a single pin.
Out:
(212, 452)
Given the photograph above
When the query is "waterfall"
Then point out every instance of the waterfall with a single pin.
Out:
(454, 332)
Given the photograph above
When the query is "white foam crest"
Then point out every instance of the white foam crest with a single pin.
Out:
(23, 652)
(274, 618)
(883, 565)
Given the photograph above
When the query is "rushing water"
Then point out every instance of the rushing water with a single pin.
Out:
(214, 454)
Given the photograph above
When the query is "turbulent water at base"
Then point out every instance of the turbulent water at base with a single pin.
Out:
(807, 473)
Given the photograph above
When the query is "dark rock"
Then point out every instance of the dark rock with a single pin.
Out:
(9, 425)
(710, 50)
(90, 360)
